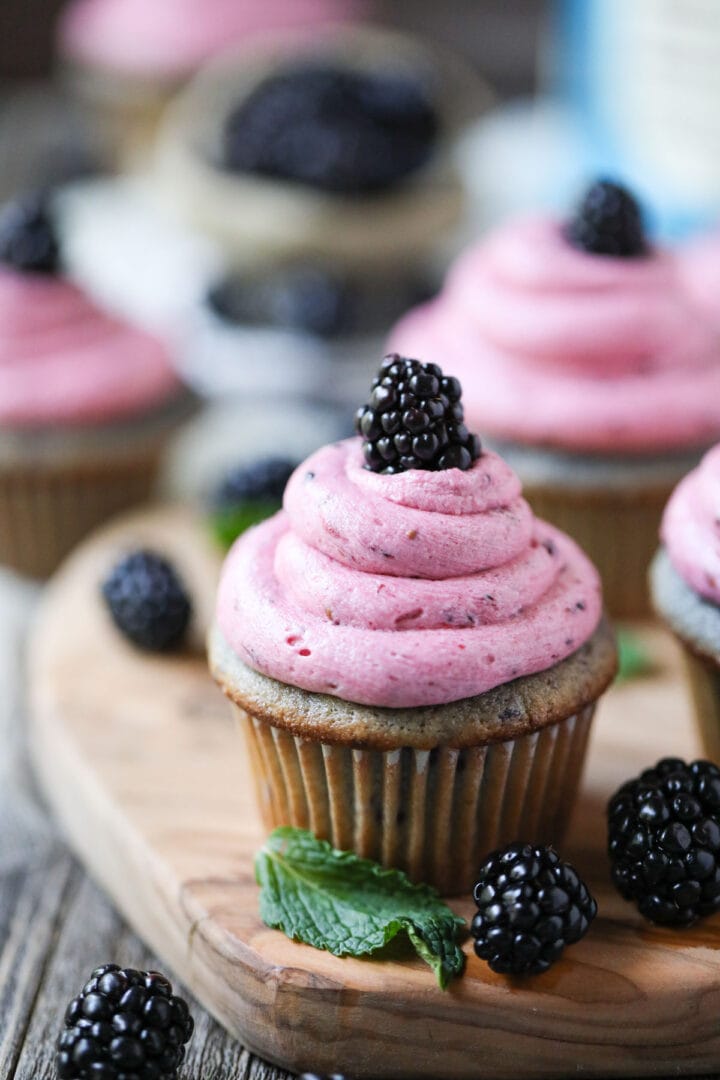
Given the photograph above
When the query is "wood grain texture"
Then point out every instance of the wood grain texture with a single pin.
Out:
(143, 767)
(55, 925)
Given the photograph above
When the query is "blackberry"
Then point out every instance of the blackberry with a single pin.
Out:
(530, 906)
(414, 420)
(249, 494)
(608, 221)
(148, 601)
(338, 130)
(298, 297)
(664, 841)
(28, 241)
(124, 1025)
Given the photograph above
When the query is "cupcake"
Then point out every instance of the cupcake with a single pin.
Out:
(410, 653)
(335, 149)
(299, 329)
(127, 57)
(86, 401)
(685, 583)
(590, 369)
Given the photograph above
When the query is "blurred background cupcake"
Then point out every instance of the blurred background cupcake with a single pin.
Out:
(589, 366)
(301, 329)
(337, 148)
(685, 582)
(87, 402)
(127, 58)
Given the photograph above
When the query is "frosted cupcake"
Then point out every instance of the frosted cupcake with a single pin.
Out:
(685, 581)
(128, 57)
(410, 653)
(590, 368)
(86, 401)
(335, 149)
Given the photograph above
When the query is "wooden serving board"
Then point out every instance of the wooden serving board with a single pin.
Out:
(141, 762)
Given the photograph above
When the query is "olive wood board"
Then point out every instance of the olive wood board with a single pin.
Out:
(141, 762)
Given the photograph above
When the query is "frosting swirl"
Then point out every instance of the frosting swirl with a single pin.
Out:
(699, 263)
(414, 589)
(173, 38)
(691, 527)
(611, 352)
(64, 361)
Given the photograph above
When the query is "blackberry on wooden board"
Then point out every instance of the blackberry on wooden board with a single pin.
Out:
(664, 841)
(148, 601)
(531, 905)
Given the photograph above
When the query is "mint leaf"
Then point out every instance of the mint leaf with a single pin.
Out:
(634, 658)
(349, 906)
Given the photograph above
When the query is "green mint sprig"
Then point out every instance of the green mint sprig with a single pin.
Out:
(228, 523)
(349, 906)
(635, 659)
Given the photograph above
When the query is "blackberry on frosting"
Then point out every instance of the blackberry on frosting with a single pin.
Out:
(608, 221)
(414, 420)
(343, 131)
(28, 241)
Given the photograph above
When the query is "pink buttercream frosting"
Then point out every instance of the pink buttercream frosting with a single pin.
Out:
(581, 352)
(171, 38)
(699, 262)
(413, 589)
(64, 361)
(691, 527)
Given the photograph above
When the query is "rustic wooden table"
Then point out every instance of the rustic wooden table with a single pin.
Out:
(56, 925)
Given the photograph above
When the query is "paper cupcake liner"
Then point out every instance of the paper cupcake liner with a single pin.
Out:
(432, 813)
(617, 530)
(45, 511)
(704, 679)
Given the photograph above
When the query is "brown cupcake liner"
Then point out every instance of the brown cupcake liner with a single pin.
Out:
(432, 813)
(45, 510)
(704, 680)
(618, 530)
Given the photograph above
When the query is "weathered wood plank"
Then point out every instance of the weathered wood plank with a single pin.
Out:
(78, 932)
(31, 907)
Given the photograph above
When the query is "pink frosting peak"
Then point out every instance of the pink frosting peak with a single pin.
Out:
(691, 527)
(171, 38)
(64, 361)
(404, 590)
(566, 349)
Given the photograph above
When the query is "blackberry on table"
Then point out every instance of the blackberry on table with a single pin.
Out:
(147, 601)
(414, 420)
(531, 905)
(664, 841)
(608, 221)
(335, 129)
(124, 1025)
(28, 240)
